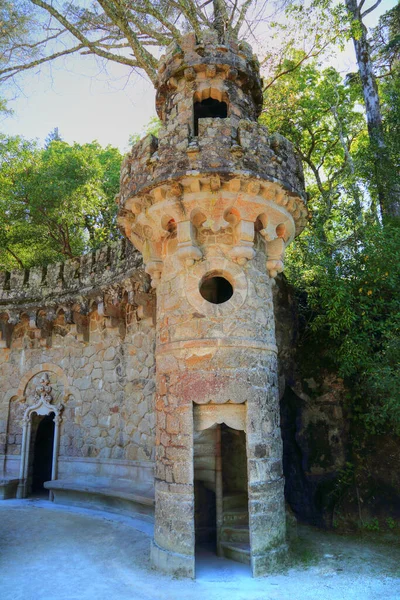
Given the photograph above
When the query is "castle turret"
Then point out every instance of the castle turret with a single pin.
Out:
(212, 204)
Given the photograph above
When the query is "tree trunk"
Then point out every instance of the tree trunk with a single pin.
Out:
(385, 172)
(220, 19)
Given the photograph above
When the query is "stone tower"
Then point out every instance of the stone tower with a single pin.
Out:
(212, 204)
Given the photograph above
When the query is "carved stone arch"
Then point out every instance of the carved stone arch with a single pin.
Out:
(207, 415)
(211, 92)
(42, 406)
(40, 368)
(209, 102)
(8, 396)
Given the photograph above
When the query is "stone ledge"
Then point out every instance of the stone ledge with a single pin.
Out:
(115, 495)
(8, 488)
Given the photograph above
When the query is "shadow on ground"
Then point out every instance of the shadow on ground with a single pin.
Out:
(48, 552)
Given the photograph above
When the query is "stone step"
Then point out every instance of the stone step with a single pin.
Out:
(236, 533)
(235, 500)
(236, 517)
(236, 551)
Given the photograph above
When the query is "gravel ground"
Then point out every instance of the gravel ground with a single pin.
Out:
(49, 552)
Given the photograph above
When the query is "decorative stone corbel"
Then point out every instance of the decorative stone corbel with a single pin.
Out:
(145, 312)
(33, 320)
(51, 314)
(154, 269)
(269, 232)
(275, 255)
(187, 250)
(33, 324)
(244, 249)
(68, 314)
(189, 74)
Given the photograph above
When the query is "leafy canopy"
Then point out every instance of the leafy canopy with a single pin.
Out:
(55, 202)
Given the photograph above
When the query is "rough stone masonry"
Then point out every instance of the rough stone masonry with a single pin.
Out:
(212, 204)
(164, 379)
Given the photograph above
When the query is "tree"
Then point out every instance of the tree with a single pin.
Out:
(318, 113)
(386, 173)
(54, 136)
(121, 31)
(345, 266)
(55, 202)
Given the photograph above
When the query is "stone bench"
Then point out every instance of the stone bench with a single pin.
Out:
(121, 496)
(8, 488)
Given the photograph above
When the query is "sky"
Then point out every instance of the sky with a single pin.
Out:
(87, 103)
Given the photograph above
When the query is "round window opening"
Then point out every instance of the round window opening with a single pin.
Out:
(216, 289)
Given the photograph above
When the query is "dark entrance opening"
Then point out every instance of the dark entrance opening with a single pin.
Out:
(221, 500)
(205, 513)
(216, 290)
(234, 535)
(205, 516)
(42, 452)
(208, 108)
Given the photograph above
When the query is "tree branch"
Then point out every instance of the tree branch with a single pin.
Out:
(89, 44)
(19, 261)
(23, 67)
(241, 18)
(369, 10)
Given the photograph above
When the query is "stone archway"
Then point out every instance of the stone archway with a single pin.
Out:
(221, 519)
(42, 407)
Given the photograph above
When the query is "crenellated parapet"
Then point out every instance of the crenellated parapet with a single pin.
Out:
(232, 66)
(111, 281)
(253, 152)
(213, 168)
(85, 272)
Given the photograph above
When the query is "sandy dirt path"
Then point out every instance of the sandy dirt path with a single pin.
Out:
(49, 552)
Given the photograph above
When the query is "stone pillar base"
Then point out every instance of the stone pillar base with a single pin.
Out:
(21, 490)
(270, 562)
(172, 563)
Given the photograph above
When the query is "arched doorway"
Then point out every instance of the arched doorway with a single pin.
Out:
(221, 482)
(42, 440)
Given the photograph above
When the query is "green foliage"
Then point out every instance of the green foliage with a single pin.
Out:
(344, 480)
(353, 317)
(372, 525)
(55, 202)
(346, 265)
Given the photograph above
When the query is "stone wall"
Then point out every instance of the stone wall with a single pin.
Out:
(88, 324)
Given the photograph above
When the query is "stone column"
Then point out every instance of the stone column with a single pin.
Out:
(173, 547)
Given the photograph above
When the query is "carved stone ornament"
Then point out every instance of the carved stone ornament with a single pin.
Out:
(43, 391)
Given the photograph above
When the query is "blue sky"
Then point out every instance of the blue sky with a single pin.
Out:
(87, 103)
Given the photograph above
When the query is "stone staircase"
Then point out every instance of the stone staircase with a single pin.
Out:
(235, 535)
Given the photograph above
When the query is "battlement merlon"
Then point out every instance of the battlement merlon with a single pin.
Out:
(64, 282)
